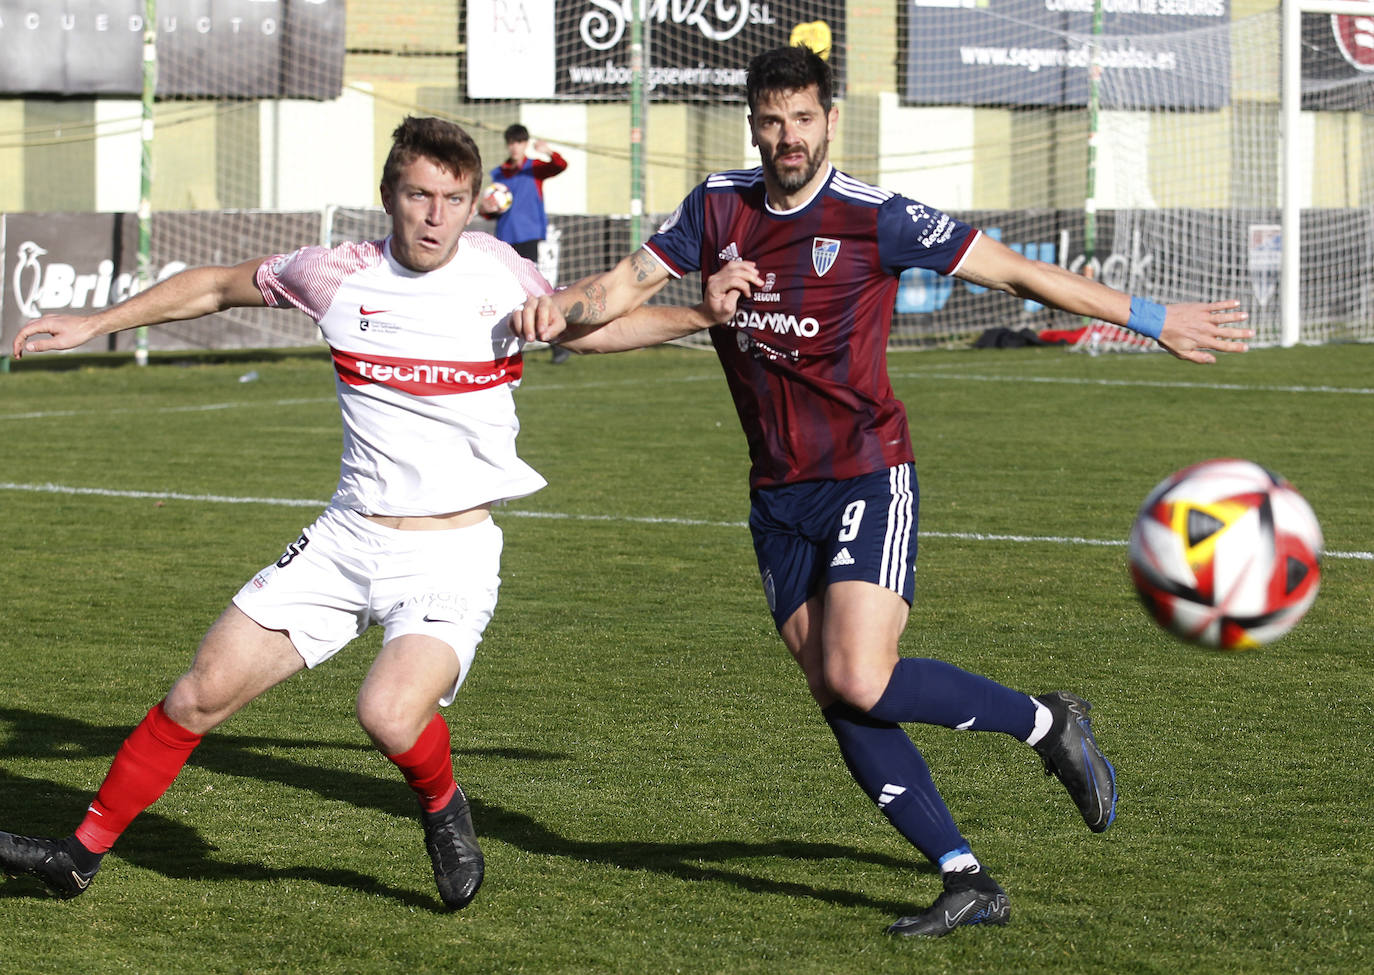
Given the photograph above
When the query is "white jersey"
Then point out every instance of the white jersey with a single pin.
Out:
(424, 365)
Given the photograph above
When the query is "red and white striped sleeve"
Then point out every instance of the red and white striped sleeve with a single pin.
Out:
(526, 273)
(309, 278)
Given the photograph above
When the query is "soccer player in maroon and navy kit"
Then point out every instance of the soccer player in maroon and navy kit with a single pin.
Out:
(801, 264)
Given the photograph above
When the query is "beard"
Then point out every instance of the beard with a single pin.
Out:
(794, 179)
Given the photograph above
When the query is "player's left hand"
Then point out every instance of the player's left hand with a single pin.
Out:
(1194, 330)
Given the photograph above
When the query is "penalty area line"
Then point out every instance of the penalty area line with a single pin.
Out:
(50, 488)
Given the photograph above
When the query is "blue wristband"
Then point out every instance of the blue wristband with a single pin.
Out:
(1147, 317)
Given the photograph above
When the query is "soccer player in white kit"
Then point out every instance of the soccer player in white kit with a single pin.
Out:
(425, 362)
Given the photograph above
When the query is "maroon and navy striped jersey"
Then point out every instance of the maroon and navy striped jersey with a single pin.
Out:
(806, 357)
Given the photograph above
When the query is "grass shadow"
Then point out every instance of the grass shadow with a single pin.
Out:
(170, 847)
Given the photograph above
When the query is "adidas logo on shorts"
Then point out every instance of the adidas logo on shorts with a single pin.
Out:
(889, 793)
(842, 557)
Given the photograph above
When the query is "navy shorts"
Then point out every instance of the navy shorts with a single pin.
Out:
(811, 534)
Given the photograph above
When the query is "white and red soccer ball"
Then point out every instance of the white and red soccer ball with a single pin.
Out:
(1226, 554)
(496, 198)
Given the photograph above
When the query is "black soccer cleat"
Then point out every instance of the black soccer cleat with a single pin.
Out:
(1071, 754)
(970, 897)
(453, 850)
(50, 861)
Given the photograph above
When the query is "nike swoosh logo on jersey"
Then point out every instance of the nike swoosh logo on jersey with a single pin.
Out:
(364, 310)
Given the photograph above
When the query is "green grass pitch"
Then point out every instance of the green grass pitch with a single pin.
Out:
(654, 791)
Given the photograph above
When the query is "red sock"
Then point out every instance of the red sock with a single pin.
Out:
(428, 766)
(145, 765)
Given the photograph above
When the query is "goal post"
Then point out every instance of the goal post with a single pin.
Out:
(1294, 168)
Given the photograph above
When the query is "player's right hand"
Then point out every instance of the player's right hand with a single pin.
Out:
(65, 331)
(1194, 330)
(538, 320)
(724, 288)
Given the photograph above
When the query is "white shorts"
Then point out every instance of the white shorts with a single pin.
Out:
(345, 573)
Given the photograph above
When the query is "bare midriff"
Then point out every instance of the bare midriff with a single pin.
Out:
(432, 523)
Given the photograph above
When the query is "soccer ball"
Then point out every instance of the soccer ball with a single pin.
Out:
(1226, 554)
(496, 198)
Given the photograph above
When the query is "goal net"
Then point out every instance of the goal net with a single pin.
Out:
(1145, 148)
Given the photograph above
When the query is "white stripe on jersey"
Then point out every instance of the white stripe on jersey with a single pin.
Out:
(973, 239)
(734, 177)
(672, 271)
(846, 185)
(896, 565)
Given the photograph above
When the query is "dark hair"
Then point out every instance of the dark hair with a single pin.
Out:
(433, 138)
(517, 133)
(785, 69)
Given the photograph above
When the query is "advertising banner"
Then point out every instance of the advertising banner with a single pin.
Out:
(695, 50)
(510, 49)
(1152, 53)
(1337, 62)
(206, 48)
(78, 263)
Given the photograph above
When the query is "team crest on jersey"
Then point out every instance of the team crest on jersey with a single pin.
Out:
(824, 250)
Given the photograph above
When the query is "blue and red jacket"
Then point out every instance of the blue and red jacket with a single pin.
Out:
(526, 220)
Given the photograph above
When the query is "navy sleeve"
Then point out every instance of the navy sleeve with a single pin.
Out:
(678, 241)
(911, 234)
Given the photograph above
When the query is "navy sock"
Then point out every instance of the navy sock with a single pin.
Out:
(934, 692)
(888, 767)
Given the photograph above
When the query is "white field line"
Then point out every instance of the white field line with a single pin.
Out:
(693, 378)
(1151, 384)
(201, 408)
(315, 400)
(565, 516)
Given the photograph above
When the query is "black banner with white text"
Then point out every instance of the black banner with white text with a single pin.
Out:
(695, 50)
(205, 48)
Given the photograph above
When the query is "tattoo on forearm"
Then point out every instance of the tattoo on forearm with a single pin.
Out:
(596, 298)
(576, 315)
(643, 265)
